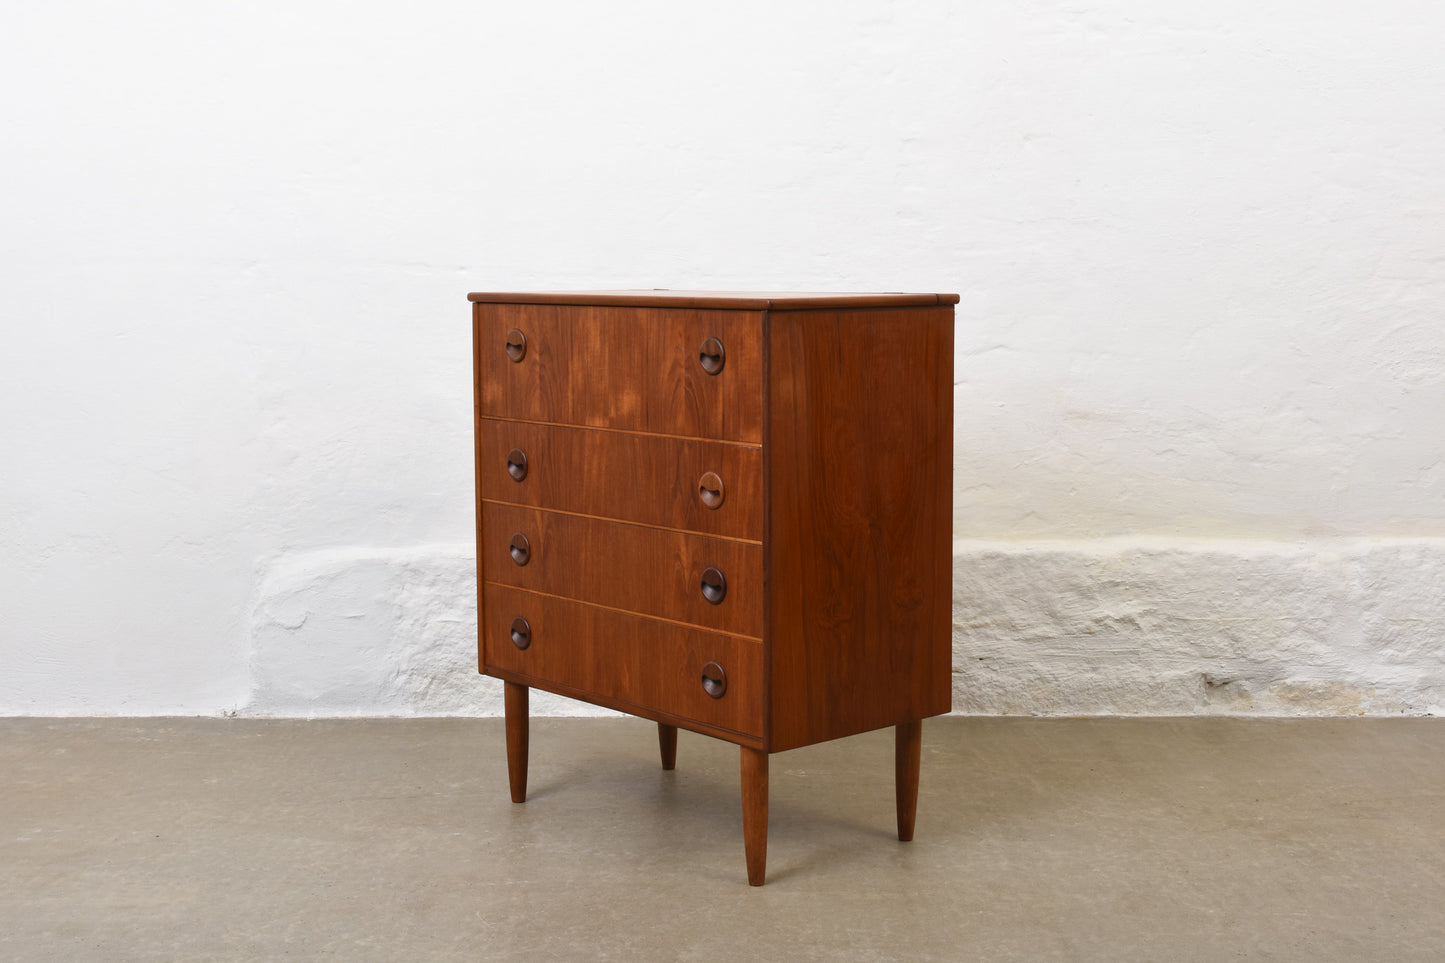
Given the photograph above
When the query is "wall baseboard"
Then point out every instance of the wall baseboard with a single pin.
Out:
(1108, 627)
(1200, 627)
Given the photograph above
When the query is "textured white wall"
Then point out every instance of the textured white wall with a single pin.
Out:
(1201, 349)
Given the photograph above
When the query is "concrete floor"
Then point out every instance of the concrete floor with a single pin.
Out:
(1100, 839)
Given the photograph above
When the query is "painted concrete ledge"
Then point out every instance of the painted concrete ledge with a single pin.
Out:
(1114, 627)
(1186, 627)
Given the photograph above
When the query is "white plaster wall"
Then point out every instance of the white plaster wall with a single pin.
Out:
(1201, 348)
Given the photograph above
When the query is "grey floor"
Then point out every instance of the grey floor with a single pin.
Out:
(1201, 839)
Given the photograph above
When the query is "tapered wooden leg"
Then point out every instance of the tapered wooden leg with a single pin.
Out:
(907, 752)
(667, 742)
(755, 812)
(516, 710)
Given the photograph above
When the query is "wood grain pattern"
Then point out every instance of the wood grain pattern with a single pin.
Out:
(647, 479)
(624, 367)
(649, 571)
(858, 551)
(627, 658)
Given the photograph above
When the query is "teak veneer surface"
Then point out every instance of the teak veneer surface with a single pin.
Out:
(648, 571)
(632, 662)
(607, 367)
(859, 521)
(625, 476)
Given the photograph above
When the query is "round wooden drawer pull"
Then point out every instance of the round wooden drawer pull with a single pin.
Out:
(521, 632)
(711, 356)
(521, 549)
(710, 490)
(714, 585)
(714, 680)
(516, 345)
(517, 464)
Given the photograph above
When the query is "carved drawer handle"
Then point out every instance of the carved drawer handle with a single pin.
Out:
(714, 680)
(711, 356)
(714, 585)
(521, 632)
(521, 549)
(517, 464)
(516, 345)
(710, 490)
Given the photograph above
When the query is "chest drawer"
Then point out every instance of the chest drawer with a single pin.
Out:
(631, 477)
(667, 371)
(631, 662)
(711, 582)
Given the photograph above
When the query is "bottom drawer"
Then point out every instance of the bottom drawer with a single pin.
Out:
(642, 662)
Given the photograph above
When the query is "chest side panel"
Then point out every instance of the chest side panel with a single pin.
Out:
(859, 515)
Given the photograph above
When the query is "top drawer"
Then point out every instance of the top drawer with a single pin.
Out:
(640, 369)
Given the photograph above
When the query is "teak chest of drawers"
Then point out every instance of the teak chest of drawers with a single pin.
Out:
(729, 513)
